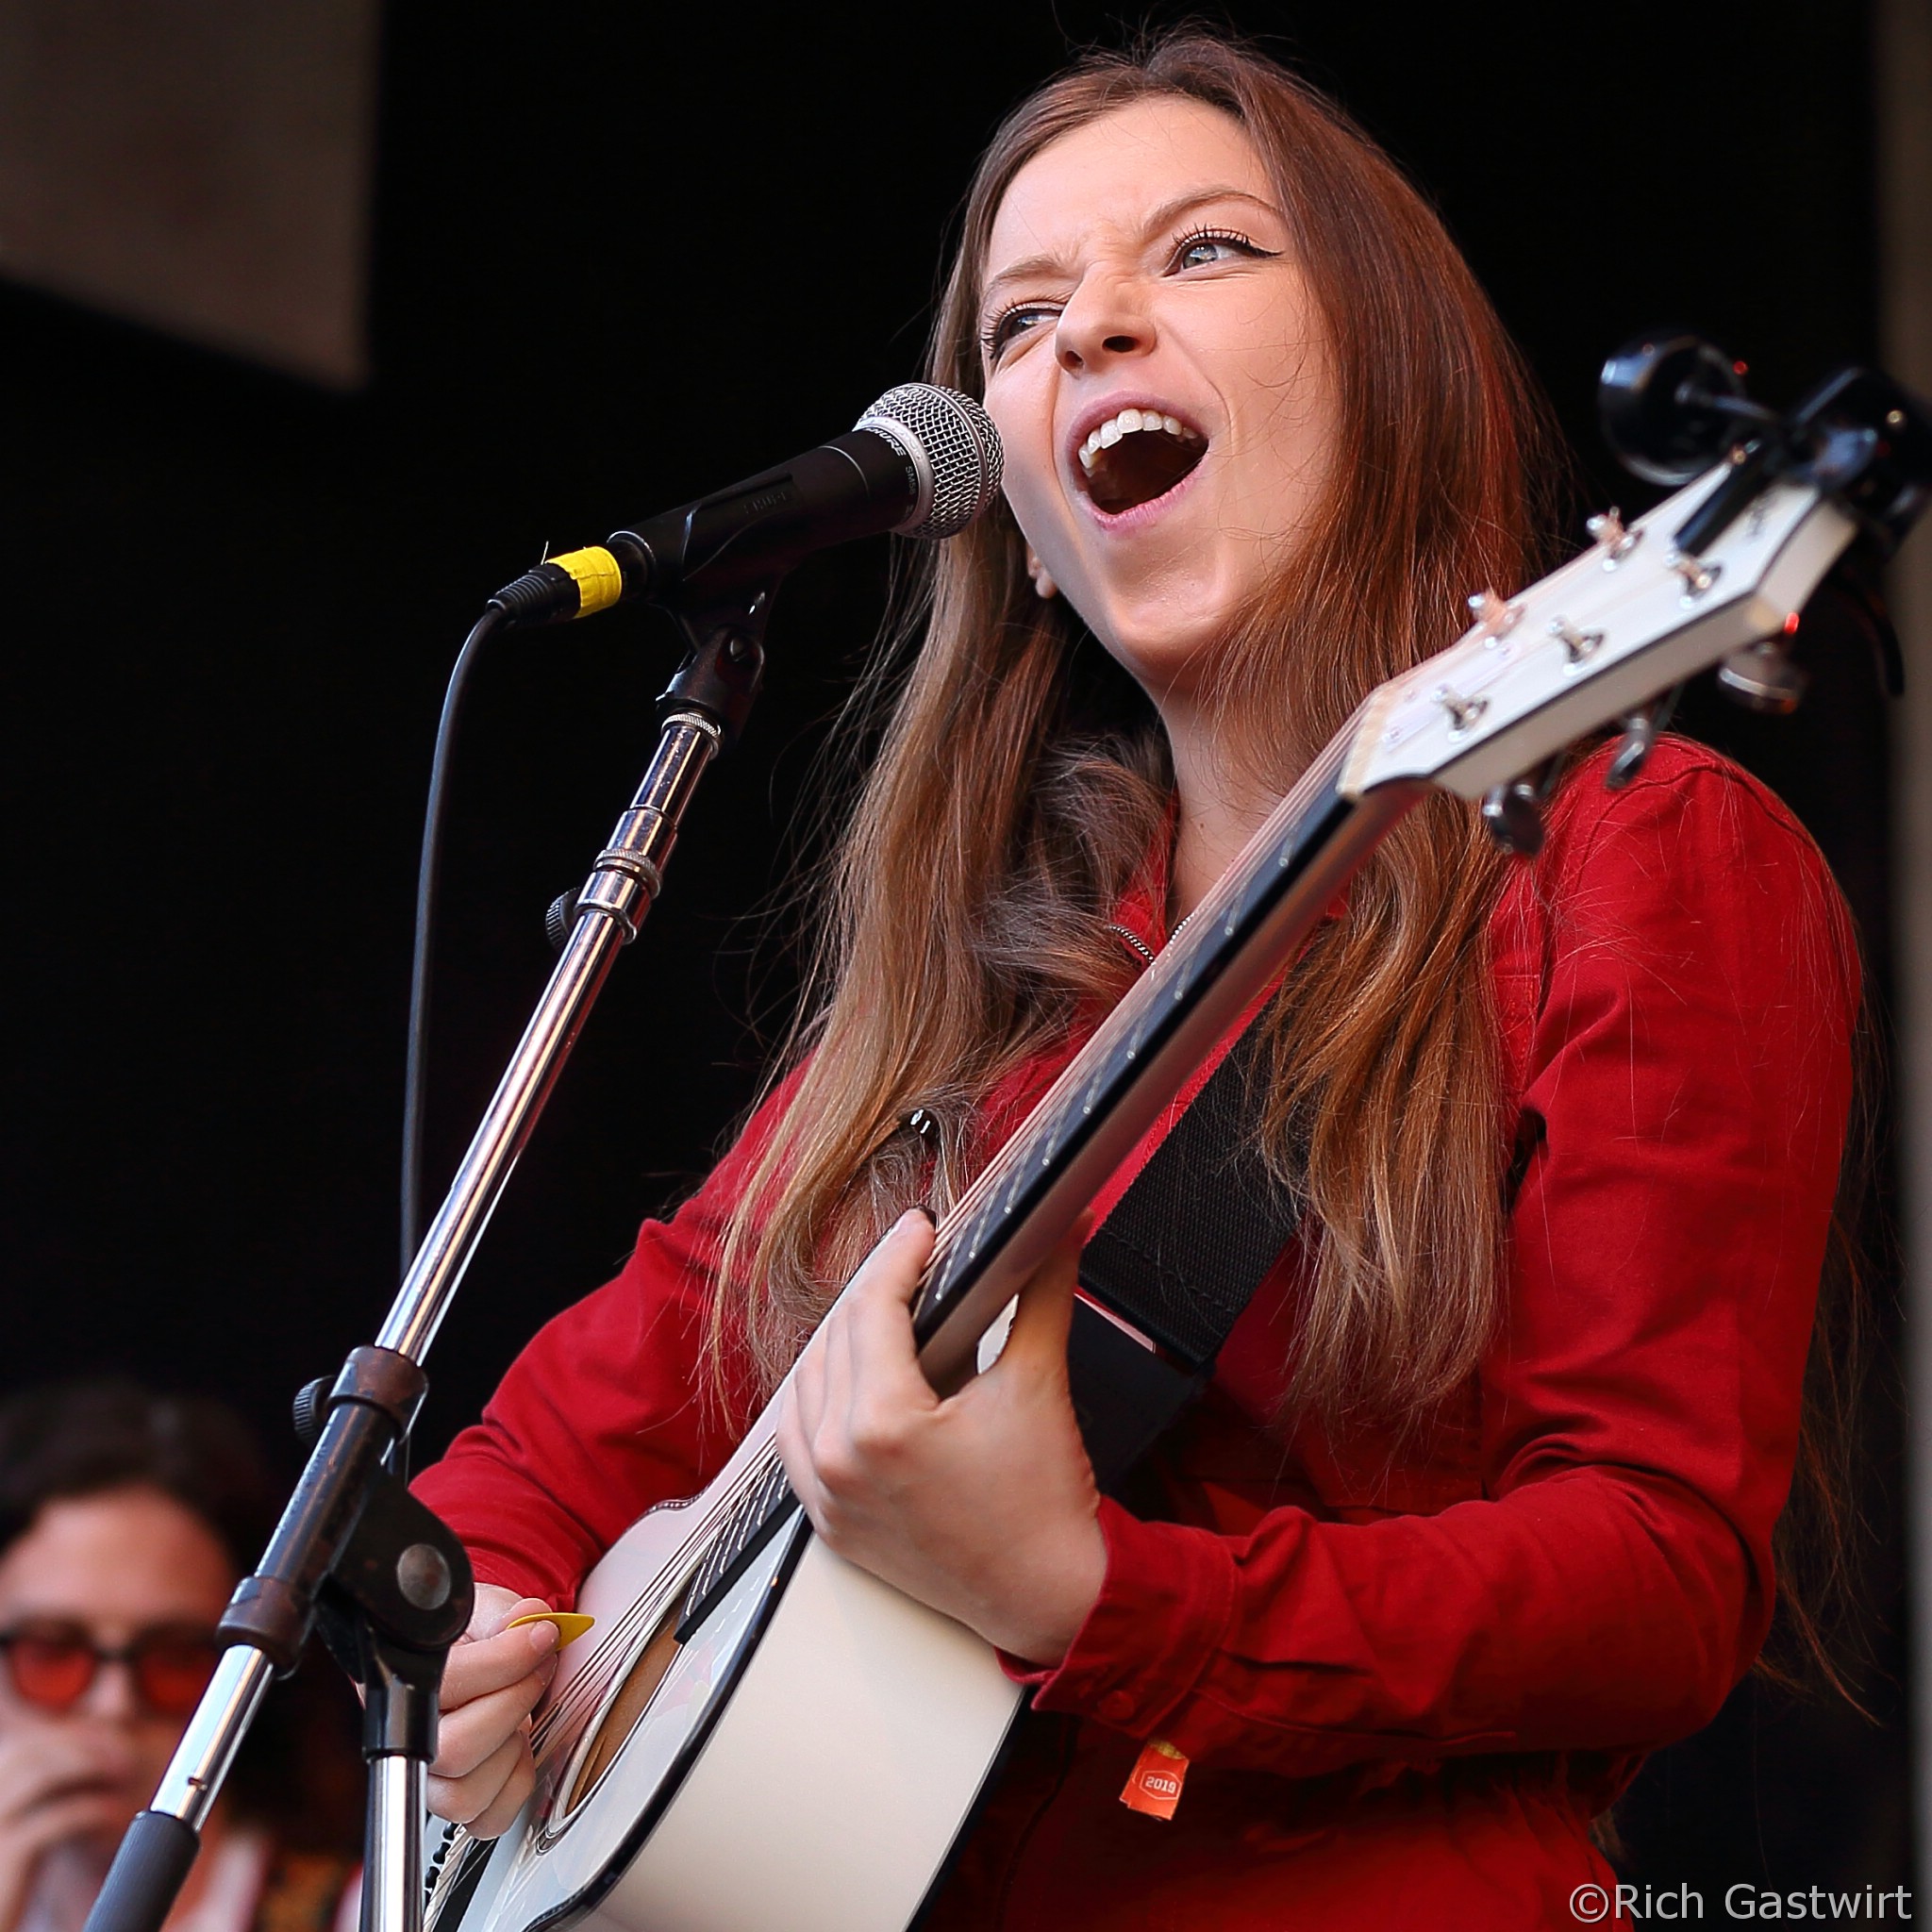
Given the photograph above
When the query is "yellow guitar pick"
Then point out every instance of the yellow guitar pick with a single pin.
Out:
(570, 1625)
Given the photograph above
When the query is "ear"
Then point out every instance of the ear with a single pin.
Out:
(1043, 586)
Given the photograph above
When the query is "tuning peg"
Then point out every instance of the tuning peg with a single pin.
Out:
(1641, 729)
(1494, 616)
(1514, 818)
(1698, 574)
(1463, 710)
(1579, 645)
(1638, 735)
(1762, 677)
(1609, 531)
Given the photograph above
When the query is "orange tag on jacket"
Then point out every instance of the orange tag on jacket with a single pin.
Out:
(1153, 1785)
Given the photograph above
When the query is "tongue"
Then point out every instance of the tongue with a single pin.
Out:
(1141, 467)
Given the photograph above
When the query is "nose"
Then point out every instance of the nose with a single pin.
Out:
(1104, 318)
(112, 1694)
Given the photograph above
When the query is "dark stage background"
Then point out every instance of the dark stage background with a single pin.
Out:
(621, 255)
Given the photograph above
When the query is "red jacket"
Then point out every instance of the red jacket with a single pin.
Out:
(1407, 1670)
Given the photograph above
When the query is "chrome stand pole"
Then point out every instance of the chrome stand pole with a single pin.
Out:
(393, 1869)
(207, 1747)
(610, 908)
(341, 1503)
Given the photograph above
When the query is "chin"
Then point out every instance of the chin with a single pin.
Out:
(1164, 648)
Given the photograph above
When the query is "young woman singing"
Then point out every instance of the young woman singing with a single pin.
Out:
(1479, 1507)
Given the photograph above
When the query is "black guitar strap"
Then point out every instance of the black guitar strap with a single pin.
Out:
(1176, 1261)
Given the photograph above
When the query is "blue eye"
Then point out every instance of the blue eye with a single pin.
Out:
(1009, 325)
(1206, 246)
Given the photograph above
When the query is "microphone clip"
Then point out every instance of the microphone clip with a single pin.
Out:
(723, 670)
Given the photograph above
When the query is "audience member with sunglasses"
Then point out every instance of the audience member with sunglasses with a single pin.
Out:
(125, 1520)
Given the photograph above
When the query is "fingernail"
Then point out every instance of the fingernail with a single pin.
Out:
(921, 1212)
(542, 1638)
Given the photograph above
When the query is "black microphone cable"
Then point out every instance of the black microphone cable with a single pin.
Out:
(428, 879)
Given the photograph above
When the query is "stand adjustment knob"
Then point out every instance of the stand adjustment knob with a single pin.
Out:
(312, 1409)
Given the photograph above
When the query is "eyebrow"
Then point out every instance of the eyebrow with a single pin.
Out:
(1164, 216)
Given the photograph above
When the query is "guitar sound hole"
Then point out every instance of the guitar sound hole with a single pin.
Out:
(632, 1700)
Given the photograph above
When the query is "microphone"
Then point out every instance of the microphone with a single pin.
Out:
(923, 461)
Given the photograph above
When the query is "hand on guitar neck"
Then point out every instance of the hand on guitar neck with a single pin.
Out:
(483, 1772)
(981, 1505)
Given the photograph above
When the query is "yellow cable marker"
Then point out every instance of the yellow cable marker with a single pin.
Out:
(599, 577)
(570, 1625)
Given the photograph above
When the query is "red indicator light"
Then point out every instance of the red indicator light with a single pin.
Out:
(1740, 369)
(1791, 624)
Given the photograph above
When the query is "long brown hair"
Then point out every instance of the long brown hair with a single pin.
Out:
(1021, 780)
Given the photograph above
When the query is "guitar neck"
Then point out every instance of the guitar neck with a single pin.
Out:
(1246, 929)
(1091, 1118)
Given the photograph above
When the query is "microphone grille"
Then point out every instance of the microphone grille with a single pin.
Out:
(952, 443)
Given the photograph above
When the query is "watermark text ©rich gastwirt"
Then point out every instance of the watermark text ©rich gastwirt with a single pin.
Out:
(1611, 1905)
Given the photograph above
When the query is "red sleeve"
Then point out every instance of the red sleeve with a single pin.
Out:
(1686, 1046)
(609, 1409)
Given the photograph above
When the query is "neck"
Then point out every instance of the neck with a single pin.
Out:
(1218, 812)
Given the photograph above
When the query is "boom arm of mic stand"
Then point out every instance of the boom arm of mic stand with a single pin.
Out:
(335, 1550)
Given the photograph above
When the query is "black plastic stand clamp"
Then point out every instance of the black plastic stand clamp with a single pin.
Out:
(370, 1408)
(400, 1596)
(722, 667)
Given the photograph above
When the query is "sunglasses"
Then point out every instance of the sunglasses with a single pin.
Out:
(54, 1665)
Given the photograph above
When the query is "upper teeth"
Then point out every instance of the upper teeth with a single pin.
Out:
(1125, 424)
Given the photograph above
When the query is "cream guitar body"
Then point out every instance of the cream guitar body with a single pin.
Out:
(831, 1733)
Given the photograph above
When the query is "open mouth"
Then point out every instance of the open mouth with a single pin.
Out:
(1136, 456)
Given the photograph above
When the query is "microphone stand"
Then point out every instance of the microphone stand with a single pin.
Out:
(389, 1583)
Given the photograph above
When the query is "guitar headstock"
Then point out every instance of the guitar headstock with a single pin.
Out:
(1715, 575)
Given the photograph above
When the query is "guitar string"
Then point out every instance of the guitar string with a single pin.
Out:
(589, 1683)
(595, 1679)
(724, 1507)
(589, 1687)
